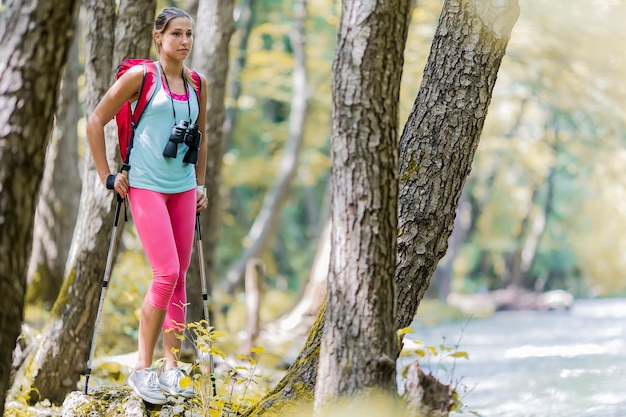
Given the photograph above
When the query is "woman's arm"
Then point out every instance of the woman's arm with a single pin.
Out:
(126, 88)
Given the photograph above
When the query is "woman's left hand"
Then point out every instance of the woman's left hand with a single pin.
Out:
(202, 202)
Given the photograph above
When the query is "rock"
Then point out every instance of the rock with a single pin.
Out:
(425, 396)
(484, 304)
(556, 300)
(104, 401)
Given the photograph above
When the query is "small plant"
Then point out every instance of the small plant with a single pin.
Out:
(223, 394)
(243, 376)
(441, 352)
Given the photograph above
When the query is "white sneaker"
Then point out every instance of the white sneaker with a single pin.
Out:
(145, 383)
(170, 382)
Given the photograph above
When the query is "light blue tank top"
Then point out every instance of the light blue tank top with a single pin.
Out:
(151, 170)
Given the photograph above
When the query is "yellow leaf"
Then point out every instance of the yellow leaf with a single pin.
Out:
(460, 355)
(217, 334)
(257, 350)
(184, 382)
(402, 332)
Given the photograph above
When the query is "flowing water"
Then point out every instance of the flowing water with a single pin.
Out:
(537, 364)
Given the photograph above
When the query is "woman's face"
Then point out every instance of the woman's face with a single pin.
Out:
(177, 39)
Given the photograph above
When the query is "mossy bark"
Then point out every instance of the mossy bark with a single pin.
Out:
(296, 389)
(36, 37)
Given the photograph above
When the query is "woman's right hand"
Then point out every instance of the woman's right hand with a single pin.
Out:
(121, 184)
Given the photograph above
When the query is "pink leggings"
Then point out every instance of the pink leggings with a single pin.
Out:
(165, 224)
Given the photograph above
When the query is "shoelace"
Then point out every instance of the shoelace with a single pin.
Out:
(153, 382)
(177, 374)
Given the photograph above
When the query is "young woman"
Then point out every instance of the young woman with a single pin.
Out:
(165, 192)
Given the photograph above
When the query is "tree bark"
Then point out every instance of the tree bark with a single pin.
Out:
(436, 151)
(442, 277)
(133, 31)
(254, 283)
(532, 230)
(359, 344)
(244, 24)
(36, 37)
(441, 136)
(214, 28)
(57, 207)
(266, 223)
(55, 367)
(295, 390)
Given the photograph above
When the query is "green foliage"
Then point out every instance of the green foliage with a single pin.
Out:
(555, 108)
(251, 159)
(554, 127)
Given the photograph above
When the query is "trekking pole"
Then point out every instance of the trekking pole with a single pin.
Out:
(105, 284)
(205, 301)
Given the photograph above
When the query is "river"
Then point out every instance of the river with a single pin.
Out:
(534, 363)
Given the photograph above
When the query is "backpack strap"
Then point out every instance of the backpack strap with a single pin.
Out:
(197, 85)
(146, 92)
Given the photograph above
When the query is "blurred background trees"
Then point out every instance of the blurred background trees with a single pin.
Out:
(541, 207)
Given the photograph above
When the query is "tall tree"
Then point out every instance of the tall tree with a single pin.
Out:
(214, 29)
(244, 28)
(436, 151)
(359, 345)
(54, 368)
(441, 136)
(57, 207)
(36, 37)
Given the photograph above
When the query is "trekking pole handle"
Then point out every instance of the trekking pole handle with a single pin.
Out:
(125, 169)
(124, 172)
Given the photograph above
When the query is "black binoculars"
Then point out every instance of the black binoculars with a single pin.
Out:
(186, 133)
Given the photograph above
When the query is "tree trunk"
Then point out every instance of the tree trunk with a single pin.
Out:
(516, 276)
(441, 136)
(300, 318)
(266, 223)
(359, 345)
(133, 32)
(57, 206)
(36, 37)
(55, 367)
(540, 229)
(297, 386)
(443, 275)
(244, 24)
(445, 125)
(214, 28)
